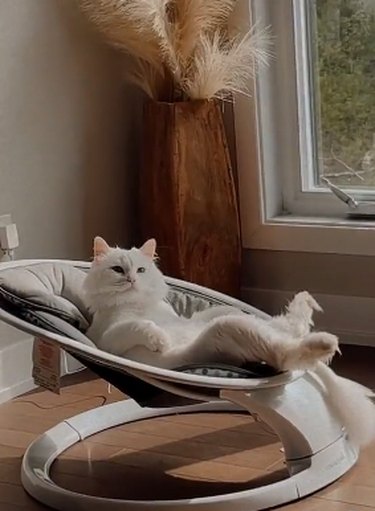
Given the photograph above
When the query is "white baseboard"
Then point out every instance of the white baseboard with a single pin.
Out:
(349, 317)
(17, 389)
(16, 363)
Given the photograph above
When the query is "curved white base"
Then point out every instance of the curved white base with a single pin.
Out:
(307, 474)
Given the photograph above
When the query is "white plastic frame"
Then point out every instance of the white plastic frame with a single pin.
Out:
(309, 471)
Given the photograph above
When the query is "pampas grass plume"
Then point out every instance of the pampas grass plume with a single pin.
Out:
(181, 48)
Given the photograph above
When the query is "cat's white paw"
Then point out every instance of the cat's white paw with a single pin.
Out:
(319, 346)
(303, 304)
(156, 344)
(299, 316)
(157, 339)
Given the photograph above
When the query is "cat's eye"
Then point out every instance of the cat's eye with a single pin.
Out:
(118, 269)
(141, 269)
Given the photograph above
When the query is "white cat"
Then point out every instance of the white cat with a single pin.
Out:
(126, 293)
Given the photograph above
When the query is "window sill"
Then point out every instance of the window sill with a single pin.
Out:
(333, 235)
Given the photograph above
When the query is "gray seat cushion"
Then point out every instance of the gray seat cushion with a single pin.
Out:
(55, 288)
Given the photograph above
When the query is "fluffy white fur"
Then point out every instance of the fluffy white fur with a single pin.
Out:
(351, 403)
(126, 292)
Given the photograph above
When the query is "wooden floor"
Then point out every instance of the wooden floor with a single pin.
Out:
(171, 457)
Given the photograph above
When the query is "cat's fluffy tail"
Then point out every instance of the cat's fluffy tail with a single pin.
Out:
(351, 403)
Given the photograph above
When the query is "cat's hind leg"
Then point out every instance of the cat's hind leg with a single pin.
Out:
(216, 311)
(314, 347)
(297, 319)
(237, 340)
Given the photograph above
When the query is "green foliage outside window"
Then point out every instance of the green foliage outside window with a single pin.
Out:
(346, 89)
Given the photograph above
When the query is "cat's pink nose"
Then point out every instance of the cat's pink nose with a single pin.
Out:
(130, 279)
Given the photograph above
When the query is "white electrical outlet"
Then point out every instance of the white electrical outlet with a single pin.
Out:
(5, 220)
(8, 238)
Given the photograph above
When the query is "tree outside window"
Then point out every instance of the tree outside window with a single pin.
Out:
(345, 99)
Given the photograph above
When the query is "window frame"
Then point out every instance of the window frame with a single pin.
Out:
(277, 213)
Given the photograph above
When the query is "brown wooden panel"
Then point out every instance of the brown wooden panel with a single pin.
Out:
(188, 200)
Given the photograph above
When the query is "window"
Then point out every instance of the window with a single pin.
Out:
(335, 60)
(314, 115)
(325, 58)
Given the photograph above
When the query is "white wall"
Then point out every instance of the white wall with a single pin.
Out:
(65, 125)
(67, 144)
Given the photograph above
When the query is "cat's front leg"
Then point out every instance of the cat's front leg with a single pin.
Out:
(156, 339)
(124, 336)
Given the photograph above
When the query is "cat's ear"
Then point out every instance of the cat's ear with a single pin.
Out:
(149, 248)
(101, 248)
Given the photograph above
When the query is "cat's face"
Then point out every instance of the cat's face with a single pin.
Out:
(120, 276)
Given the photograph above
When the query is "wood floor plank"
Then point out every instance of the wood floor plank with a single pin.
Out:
(368, 457)
(8, 452)
(263, 451)
(229, 433)
(317, 504)
(209, 419)
(13, 438)
(10, 472)
(361, 474)
(355, 494)
(49, 401)
(11, 494)
(29, 409)
(160, 480)
(32, 507)
(89, 452)
(33, 424)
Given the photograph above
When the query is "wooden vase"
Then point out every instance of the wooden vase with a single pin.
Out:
(188, 198)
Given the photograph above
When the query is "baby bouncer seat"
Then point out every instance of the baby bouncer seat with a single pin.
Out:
(44, 298)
